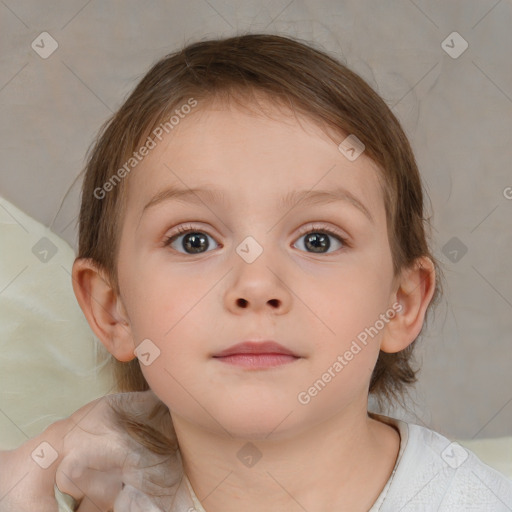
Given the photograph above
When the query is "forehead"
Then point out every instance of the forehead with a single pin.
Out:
(251, 154)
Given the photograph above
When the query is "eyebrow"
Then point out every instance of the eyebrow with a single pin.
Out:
(289, 201)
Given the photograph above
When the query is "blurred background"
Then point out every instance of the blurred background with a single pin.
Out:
(442, 67)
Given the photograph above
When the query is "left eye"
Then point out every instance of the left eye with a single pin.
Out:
(318, 240)
(194, 241)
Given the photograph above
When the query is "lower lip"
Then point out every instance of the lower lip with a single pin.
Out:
(258, 360)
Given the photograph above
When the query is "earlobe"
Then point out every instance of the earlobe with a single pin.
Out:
(414, 293)
(103, 310)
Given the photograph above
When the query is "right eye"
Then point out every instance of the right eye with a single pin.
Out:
(193, 241)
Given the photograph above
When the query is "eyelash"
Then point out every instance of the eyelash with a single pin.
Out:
(310, 228)
(319, 228)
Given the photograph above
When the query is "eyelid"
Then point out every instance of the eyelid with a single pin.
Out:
(183, 229)
(327, 228)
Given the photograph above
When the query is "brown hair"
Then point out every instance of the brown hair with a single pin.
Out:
(290, 73)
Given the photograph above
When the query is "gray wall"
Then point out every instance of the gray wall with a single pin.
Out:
(456, 111)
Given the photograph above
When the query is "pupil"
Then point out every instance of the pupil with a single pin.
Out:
(318, 241)
(195, 242)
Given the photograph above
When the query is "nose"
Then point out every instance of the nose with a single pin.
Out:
(258, 287)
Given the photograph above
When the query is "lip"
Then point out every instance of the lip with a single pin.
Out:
(257, 348)
(257, 361)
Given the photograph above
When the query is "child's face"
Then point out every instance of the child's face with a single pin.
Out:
(193, 305)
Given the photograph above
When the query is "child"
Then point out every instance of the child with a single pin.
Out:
(252, 249)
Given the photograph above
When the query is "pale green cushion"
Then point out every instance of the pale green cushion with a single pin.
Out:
(496, 452)
(51, 363)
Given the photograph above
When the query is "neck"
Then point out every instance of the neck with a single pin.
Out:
(342, 463)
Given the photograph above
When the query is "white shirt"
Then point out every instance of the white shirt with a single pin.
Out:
(434, 474)
(431, 474)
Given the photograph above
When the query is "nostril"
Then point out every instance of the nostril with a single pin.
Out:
(274, 302)
(242, 303)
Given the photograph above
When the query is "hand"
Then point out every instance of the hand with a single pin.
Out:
(103, 468)
(24, 485)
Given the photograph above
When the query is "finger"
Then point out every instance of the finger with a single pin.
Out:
(105, 457)
(96, 491)
(88, 505)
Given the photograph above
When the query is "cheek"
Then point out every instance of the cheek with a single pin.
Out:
(161, 296)
(168, 312)
(349, 307)
(349, 301)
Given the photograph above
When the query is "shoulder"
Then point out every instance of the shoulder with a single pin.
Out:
(434, 473)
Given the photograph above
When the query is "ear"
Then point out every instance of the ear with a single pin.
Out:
(104, 310)
(414, 292)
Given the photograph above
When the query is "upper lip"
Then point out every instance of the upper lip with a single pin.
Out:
(255, 347)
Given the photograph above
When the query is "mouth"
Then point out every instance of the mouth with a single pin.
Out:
(257, 355)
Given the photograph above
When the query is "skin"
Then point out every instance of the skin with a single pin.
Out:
(327, 454)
